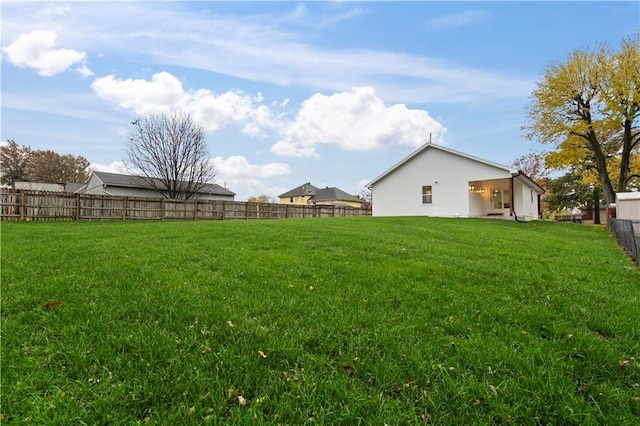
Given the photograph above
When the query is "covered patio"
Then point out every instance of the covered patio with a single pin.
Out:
(502, 198)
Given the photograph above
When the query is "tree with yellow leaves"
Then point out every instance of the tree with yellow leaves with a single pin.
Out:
(588, 107)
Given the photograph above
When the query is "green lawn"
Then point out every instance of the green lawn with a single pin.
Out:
(332, 321)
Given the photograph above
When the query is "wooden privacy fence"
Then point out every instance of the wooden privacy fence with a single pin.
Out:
(23, 205)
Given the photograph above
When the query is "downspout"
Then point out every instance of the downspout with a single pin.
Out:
(513, 210)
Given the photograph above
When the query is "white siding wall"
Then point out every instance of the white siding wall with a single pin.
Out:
(94, 186)
(628, 205)
(525, 201)
(400, 192)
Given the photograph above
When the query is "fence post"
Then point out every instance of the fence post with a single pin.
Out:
(77, 207)
(124, 208)
(23, 205)
(195, 209)
(222, 210)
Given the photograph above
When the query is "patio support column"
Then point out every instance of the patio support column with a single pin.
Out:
(511, 196)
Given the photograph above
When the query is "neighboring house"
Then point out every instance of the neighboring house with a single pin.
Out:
(628, 205)
(438, 181)
(102, 183)
(39, 186)
(51, 187)
(308, 194)
(588, 214)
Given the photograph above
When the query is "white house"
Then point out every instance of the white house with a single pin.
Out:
(438, 181)
(102, 183)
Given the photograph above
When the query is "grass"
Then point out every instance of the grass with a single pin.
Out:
(332, 321)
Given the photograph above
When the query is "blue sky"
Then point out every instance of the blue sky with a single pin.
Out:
(332, 93)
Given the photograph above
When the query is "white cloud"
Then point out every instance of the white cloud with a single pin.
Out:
(85, 71)
(164, 92)
(268, 48)
(120, 131)
(37, 50)
(53, 11)
(301, 15)
(115, 167)
(237, 166)
(457, 20)
(246, 179)
(141, 96)
(356, 121)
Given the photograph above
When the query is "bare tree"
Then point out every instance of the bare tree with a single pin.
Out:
(365, 197)
(170, 152)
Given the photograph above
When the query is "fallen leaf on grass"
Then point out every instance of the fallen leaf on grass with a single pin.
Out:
(229, 324)
(233, 392)
(347, 368)
(52, 305)
(262, 354)
(192, 411)
(242, 401)
(206, 350)
(600, 335)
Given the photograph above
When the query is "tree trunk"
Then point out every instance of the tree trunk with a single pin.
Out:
(601, 165)
(625, 159)
(596, 205)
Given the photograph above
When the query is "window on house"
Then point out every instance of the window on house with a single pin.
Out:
(291, 199)
(427, 194)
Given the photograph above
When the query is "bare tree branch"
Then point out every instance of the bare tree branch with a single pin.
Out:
(170, 152)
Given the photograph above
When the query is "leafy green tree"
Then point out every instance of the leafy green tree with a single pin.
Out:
(260, 199)
(49, 166)
(13, 162)
(566, 192)
(587, 107)
(21, 163)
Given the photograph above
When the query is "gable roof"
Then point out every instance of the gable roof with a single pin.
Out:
(513, 172)
(320, 194)
(132, 181)
(430, 145)
(304, 189)
(333, 194)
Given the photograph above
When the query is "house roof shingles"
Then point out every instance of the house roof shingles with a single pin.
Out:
(304, 189)
(131, 181)
(320, 194)
(333, 194)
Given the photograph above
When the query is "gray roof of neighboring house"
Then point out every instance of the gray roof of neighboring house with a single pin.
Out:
(73, 186)
(333, 194)
(131, 181)
(320, 194)
(304, 189)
